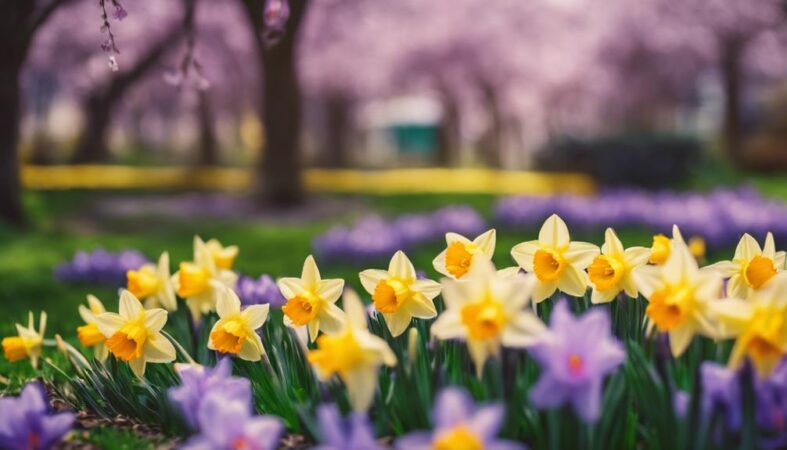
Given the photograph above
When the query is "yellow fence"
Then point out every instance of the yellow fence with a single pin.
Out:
(316, 180)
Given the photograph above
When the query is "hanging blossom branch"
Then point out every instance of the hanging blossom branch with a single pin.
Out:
(109, 45)
(275, 18)
(189, 69)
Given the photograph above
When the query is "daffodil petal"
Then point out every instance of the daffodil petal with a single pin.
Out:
(290, 287)
(486, 242)
(251, 349)
(330, 290)
(256, 315)
(554, 232)
(109, 323)
(420, 306)
(370, 278)
(448, 325)
(310, 273)
(747, 248)
(636, 256)
(138, 367)
(581, 254)
(130, 306)
(573, 281)
(401, 267)
(397, 322)
(439, 264)
(543, 290)
(612, 245)
(429, 288)
(361, 385)
(524, 253)
(155, 319)
(332, 318)
(159, 349)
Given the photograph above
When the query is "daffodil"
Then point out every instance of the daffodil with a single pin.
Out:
(152, 284)
(353, 354)
(134, 335)
(201, 281)
(661, 248)
(28, 342)
(235, 332)
(398, 295)
(557, 262)
(311, 301)
(759, 325)
(752, 267)
(461, 253)
(89, 335)
(223, 257)
(679, 296)
(610, 272)
(488, 311)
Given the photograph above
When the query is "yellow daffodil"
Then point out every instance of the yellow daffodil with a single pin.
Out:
(697, 248)
(152, 284)
(610, 272)
(661, 248)
(759, 325)
(28, 342)
(311, 301)
(461, 253)
(353, 353)
(235, 332)
(89, 335)
(201, 281)
(557, 262)
(488, 311)
(134, 335)
(223, 257)
(398, 295)
(752, 267)
(679, 296)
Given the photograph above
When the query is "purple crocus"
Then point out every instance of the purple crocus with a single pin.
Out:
(575, 355)
(228, 424)
(772, 400)
(100, 267)
(336, 433)
(196, 382)
(260, 291)
(26, 422)
(458, 423)
(721, 392)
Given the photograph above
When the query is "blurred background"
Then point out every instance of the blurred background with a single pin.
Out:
(352, 128)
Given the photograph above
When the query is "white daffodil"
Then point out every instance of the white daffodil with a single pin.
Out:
(488, 311)
(752, 267)
(134, 335)
(353, 353)
(679, 296)
(152, 285)
(398, 295)
(557, 262)
(28, 342)
(759, 325)
(610, 272)
(200, 282)
(223, 257)
(236, 331)
(311, 301)
(461, 253)
(89, 335)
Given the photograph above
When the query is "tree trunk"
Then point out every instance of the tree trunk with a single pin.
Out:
(10, 190)
(279, 181)
(92, 146)
(732, 130)
(448, 141)
(336, 147)
(208, 147)
(492, 141)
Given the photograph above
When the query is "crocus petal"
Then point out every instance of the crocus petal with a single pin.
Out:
(130, 306)
(401, 267)
(418, 440)
(453, 406)
(256, 315)
(587, 402)
(487, 421)
(554, 232)
(547, 393)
